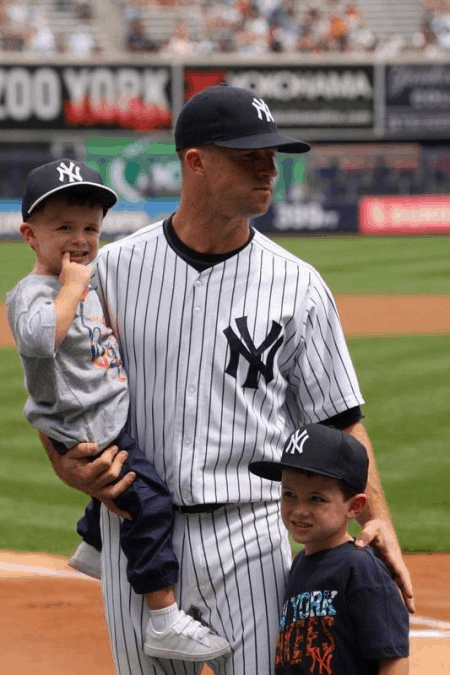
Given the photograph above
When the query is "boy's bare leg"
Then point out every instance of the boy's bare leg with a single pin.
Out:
(161, 599)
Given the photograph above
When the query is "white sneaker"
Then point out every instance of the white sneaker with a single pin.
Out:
(185, 639)
(87, 560)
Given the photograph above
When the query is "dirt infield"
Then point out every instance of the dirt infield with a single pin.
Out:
(369, 315)
(51, 619)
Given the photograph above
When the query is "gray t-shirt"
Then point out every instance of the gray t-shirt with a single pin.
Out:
(78, 392)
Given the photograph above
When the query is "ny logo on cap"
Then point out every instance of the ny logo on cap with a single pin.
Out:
(297, 442)
(72, 175)
(261, 108)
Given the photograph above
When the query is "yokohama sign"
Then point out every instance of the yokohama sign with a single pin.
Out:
(107, 97)
(301, 96)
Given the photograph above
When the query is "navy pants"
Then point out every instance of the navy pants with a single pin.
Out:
(147, 539)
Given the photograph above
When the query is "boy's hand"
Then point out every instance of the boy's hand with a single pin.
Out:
(73, 274)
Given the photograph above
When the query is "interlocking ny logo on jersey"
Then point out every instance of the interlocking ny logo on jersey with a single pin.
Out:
(261, 108)
(297, 442)
(252, 354)
(69, 172)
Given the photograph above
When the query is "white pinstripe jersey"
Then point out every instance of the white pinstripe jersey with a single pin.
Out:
(222, 364)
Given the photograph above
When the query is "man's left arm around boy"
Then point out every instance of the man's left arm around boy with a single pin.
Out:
(375, 519)
(393, 667)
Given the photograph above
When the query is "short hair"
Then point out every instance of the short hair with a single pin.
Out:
(348, 492)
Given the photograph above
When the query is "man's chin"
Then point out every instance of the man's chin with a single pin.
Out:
(256, 212)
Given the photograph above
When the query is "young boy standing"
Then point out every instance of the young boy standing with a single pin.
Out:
(78, 388)
(342, 613)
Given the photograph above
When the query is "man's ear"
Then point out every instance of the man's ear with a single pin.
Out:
(356, 505)
(194, 159)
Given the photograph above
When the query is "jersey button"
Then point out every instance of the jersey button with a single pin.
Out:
(197, 310)
(197, 283)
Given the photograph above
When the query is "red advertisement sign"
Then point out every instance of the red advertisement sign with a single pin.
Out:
(421, 214)
(90, 96)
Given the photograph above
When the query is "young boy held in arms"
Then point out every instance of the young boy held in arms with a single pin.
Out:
(78, 392)
(342, 612)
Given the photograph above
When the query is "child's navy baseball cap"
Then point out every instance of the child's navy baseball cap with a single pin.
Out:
(231, 117)
(52, 178)
(320, 449)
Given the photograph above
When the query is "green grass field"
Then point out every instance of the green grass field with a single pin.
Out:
(405, 381)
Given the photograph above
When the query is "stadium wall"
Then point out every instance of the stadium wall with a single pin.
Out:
(392, 118)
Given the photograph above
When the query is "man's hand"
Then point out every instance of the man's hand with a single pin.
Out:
(81, 469)
(381, 536)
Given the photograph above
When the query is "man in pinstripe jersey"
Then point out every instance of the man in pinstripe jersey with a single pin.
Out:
(229, 342)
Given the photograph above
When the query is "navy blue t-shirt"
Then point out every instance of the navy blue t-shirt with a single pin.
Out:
(342, 613)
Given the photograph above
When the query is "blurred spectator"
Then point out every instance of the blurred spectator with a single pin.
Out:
(338, 40)
(393, 46)
(284, 27)
(308, 34)
(362, 39)
(353, 18)
(130, 13)
(440, 26)
(81, 43)
(42, 40)
(425, 39)
(253, 37)
(221, 21)
(136, 39)
(15, 24)
(321, 33)
(275, 42)
(83, 10)
(180, 43)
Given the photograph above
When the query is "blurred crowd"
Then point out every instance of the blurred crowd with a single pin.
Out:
(251, 28)
(434, 37)
(255, 28)
(25, 27)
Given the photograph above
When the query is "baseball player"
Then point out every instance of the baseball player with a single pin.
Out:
(78, 389)
(229, 342)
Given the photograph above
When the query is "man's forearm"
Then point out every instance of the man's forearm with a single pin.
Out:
(394, 667)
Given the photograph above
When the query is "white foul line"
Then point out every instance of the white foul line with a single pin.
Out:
(435, 628)
(33, 570)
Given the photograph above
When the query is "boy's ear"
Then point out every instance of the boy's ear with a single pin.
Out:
(357, 504)
(27, 233)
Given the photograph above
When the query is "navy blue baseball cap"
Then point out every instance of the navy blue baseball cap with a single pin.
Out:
(54, 177)
(320, 449)
(231, 117)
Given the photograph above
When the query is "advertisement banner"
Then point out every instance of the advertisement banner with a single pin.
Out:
(147, 178)
(121, 220)
(421, 214)
(309, 218)
(313, 96)
(76, 97)
(136, 169)
(417, 99)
